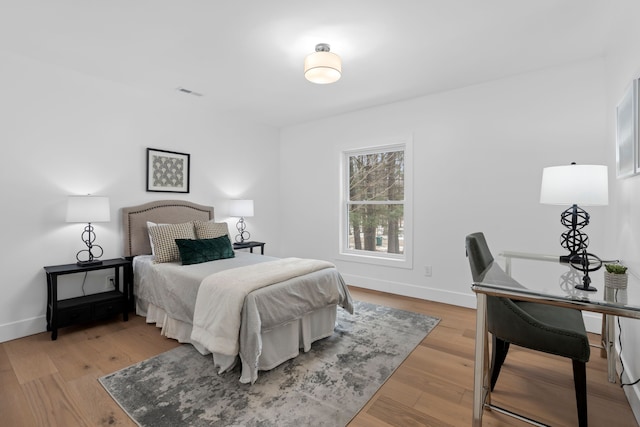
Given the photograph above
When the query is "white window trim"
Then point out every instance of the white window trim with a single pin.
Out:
(390, 260)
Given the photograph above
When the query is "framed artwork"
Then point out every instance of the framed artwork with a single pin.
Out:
(627, 162)
(636, 124)
(167, 171)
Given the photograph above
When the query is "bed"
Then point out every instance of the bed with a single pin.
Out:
(244, 308)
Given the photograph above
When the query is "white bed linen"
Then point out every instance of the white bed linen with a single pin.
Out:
(174, 287)
(222, 297)
(166, 294)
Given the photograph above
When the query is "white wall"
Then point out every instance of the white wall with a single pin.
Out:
(622, 66)
(478, 158)
(64, 133)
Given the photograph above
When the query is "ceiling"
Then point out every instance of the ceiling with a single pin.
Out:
(246, 57)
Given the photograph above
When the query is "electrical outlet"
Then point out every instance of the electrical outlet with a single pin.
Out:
(110, 282)
(427, 270)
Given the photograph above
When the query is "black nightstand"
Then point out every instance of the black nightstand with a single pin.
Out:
(88, 307)
(250, 245)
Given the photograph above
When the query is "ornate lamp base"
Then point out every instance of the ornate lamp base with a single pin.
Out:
(242, 233)
(88, 237)
(576, 242)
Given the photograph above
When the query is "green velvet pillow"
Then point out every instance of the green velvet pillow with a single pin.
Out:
(203, 250)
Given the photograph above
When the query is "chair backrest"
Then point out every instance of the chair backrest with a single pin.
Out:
(480, 258)
(484, 267)
(545, 328)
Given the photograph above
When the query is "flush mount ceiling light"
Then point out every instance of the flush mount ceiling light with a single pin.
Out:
(322, 66)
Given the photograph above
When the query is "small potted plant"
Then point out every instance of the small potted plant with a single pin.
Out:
(615, 276)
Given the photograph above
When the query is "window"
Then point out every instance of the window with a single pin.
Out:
(374, 217)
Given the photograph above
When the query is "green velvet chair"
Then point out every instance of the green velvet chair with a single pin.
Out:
(541, 327)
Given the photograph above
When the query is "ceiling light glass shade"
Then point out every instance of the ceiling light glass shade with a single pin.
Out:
(585, 185)
(88, 209)
(241, 208)
(322, 66)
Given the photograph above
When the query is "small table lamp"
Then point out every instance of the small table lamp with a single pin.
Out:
(242, 209)
(88, 209)
(573, 185)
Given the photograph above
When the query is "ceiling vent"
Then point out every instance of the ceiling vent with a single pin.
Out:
(189, 92)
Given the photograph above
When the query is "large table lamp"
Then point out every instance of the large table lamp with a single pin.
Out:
(241, 209)
(575, 186)
(88, 209)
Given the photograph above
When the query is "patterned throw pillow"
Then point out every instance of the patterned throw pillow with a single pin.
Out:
(163, 240)
(203, 250)
(210, 229)
(149, 225)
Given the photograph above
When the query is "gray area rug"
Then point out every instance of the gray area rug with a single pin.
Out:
(325, 387)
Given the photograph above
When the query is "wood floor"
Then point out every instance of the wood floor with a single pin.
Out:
(54, 383)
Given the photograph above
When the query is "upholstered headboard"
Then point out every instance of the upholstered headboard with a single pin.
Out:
(134, 221)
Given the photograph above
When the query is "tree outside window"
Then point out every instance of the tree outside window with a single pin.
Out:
(376, 200)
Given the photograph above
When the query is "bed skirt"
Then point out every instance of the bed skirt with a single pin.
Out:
(279, 344)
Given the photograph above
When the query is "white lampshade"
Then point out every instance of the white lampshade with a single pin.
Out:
(88, 209)
(322, 66)
(241, 208)
(585, 185)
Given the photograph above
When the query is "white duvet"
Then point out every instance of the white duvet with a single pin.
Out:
(221, 296)
(235, 306)
(175, 289)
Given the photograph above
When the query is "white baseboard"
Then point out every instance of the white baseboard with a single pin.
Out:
(431, 294)
(632, 393)
(592, 321)
(22, 328)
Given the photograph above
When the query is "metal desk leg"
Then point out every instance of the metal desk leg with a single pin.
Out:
(609, 335)
(481, 391)
(609, 345)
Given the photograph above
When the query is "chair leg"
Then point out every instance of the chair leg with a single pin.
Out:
(580, 382)
(498, 354)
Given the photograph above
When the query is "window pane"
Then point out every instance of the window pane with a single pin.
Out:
(377, 228)
(377, 176)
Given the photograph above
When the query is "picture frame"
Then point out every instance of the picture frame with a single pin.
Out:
(636, 124)
(167, 171)
(627, 160)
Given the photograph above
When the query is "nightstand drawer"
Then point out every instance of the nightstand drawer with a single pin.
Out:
(69, 316)
(107, 309)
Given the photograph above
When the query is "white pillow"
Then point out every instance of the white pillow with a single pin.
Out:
(163, 240)
(210, 229)
(149, 225)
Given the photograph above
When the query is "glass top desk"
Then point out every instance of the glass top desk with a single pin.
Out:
(545, 281)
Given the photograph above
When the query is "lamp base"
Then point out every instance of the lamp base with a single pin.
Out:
(585, 262)
(586, 280)
(89, 263)
(242, 235)
(586, 288)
